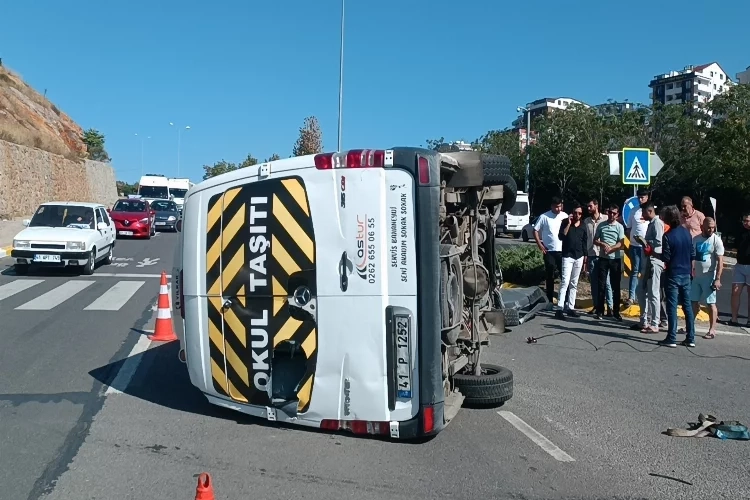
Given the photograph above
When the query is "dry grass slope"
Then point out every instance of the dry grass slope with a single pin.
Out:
(29, 119)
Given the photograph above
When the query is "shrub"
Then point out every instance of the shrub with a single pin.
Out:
(521, 265)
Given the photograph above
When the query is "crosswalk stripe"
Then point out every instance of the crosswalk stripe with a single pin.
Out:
(56, 296)
(17, 286)
(116, 297)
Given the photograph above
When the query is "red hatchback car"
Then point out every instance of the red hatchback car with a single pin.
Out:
(133, 217)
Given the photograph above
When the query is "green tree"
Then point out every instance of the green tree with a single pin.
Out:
(94, 141)
(218, 168)
(310, 140)
(273, 157)
(569, 150)
(727, 141)
(126, 188)
(248, 162)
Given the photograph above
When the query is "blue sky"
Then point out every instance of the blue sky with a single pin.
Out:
(244, 74)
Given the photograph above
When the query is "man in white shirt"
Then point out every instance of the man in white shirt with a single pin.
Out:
(546, 234)
(636, 226)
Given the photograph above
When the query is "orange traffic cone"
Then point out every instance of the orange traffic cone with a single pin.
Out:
(163, 331)
(204, 490)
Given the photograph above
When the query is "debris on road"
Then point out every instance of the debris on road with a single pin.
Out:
(707, 425)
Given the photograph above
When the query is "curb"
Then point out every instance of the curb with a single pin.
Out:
(5, 251)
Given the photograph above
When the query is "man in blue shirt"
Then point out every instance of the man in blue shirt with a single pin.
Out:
(678, 253)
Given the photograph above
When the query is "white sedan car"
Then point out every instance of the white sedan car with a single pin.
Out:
(65, 234)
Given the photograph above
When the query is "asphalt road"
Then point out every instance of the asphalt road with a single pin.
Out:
(59, 345)
(585, 422)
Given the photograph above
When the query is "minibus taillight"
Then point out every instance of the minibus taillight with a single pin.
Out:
(423, 170)
(356, 426)
(428, 419)
(355, 158)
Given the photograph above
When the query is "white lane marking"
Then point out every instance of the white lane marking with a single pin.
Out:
(116, 297)
(17, 286)
(126, 275)
(56, 296)
(148, 262)
(536, 437)
(129, 367)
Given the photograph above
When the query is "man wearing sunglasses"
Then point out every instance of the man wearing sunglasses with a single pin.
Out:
(573, 236)
(610, 238)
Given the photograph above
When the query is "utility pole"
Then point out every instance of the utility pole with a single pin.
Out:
(528, 154)
(179, 141)
(341, 74)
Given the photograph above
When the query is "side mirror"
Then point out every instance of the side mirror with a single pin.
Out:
(152, 212)
(26, 222)
(109, 210)
(102, 226)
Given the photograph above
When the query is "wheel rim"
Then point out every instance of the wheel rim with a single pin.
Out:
(91, 260)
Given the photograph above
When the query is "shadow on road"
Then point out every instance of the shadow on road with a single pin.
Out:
(163, 380)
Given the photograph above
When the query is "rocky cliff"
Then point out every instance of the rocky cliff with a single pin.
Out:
(29, 119)
(30, 176)
(42, 154)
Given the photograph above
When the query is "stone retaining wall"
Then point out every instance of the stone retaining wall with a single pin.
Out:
(30, 176)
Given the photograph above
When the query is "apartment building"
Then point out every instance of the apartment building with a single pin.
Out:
(614, 108)
(544, 106)
(697, 84)
(744, 76)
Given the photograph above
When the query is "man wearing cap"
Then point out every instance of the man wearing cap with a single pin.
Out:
(636, 226)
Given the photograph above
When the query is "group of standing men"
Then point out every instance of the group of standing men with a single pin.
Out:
(677, 260)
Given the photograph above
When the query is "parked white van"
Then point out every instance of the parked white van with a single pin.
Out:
(345, 291)
(517, 217)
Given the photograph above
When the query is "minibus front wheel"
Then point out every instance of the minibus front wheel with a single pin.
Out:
(492, 388)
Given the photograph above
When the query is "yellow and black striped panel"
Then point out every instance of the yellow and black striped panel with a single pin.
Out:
(260, 247)
(213, 290)
(292, 265)
(627, 264)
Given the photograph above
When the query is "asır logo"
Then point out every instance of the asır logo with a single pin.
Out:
(361, 263)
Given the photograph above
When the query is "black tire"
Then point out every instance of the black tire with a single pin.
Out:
(525, 236)
(88, 268)
(497, 172)
(21, 269)
(492, 388)
(511, 317)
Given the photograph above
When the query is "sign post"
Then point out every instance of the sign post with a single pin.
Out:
(635, 167)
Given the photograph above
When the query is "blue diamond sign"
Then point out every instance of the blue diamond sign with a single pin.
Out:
(636, 166)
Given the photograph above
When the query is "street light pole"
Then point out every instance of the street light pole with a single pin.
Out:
(528, 154)
(179, 141)
(341, 74)
(142, 142)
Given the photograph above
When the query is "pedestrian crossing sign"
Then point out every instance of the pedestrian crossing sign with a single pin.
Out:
(636, 166)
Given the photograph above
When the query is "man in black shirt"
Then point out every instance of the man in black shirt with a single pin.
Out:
(741, 277)
(574, 245)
